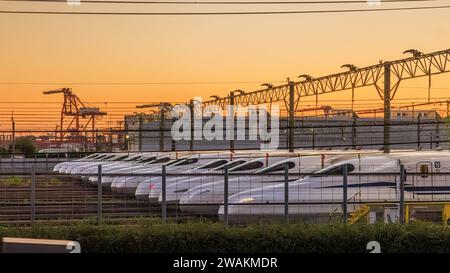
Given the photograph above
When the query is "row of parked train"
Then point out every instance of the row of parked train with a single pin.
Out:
(256, 182)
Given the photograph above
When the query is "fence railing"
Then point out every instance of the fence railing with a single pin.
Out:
(233, 198)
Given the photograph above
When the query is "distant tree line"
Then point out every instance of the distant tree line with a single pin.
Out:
(23, 145)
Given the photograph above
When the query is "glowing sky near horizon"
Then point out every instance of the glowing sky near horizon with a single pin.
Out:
(86, 49)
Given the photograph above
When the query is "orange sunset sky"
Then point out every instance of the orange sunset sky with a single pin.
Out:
(239, 48)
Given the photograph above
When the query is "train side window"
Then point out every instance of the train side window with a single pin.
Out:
(248, 166)
(148, 159)
(119, 158)
(135, 158)
(336, 170)
(424, 171)
(277, 167)
(164, 160)
(186, 161)
(213, 164)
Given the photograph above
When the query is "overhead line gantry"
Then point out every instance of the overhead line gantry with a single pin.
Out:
(385, 77)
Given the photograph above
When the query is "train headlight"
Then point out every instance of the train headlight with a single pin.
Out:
(247, 200)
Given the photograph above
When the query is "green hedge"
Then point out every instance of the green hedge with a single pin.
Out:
(215, 238)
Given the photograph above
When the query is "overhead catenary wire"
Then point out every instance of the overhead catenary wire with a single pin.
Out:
(136, 83)
(133, 103)
(287, 12)
(305, 126)
(223, 2)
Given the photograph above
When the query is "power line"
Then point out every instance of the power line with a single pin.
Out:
(132, 104)
(132, 83)
(174, 83)
(95, 102)
(221, 13)
(372, 123)
(221, 2)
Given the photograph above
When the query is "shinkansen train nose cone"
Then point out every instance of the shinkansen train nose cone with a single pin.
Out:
(144, 190)
(129, 184)
(58, 166)
(195, 204)
(154, 194)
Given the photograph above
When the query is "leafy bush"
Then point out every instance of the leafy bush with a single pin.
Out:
(215, 238)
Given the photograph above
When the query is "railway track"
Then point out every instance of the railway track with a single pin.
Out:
(67, 198)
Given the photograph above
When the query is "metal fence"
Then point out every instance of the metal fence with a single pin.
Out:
(347, 196)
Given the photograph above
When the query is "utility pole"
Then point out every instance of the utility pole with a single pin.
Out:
(96, 140)
(56, 133)
(291, 116)
(13, 146)
(110, 149)
(431, 141)
(353, 130)
(402, 195)
(447, 108)
(232, 116)
(437, 138)
(429, 86)
(164, 107)
(86, 148)
(140, 126)
(387, 107)
(352, 68)
(162, 126)
(418, 131)
(192, 139)
(126, 136)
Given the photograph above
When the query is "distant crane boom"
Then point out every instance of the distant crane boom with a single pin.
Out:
(75, 108)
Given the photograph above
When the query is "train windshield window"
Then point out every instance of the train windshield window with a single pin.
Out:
(248, 166)
(277, 167)
(213, 164)
(336, 170)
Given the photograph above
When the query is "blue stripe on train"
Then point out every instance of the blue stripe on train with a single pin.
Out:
(393, 185)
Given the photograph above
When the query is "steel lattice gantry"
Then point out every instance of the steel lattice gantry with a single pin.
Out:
(388, 73)
(75, 109)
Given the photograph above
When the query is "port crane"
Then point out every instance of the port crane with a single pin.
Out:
(73, 110)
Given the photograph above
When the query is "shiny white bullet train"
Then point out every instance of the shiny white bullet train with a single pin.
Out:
(312, 198)
(261, 194)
